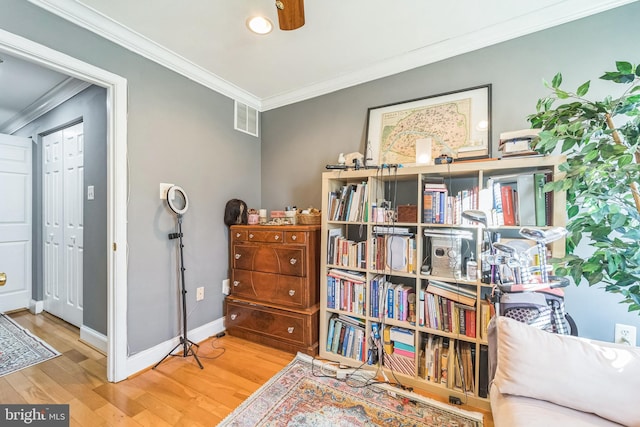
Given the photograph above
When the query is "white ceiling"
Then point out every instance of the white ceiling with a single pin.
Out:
(343, 43)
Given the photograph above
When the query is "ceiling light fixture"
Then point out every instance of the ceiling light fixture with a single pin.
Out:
(260, 25)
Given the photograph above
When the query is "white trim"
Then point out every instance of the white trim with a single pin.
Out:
(149, 357)
(36, 307)
(116, 186)
(98, 23)
(93, 338)
(47, 102)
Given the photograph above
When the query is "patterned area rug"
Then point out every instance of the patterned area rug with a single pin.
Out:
(20, 349)
(296, 397)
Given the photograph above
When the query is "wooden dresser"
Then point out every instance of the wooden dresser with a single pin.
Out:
(274, 292)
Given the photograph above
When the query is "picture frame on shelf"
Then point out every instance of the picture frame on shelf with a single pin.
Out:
(455, 124)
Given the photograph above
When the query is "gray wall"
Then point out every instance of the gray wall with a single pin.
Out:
(178, 132)
(90, 107)
(299, 140)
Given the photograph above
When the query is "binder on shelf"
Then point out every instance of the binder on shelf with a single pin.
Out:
(526, 200)
(540, 200)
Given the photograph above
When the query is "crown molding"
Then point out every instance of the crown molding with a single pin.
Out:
(561, 13)
(109, 29)
(556, 14)
(47, 102)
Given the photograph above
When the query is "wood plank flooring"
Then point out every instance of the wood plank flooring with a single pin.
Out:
(177, 393)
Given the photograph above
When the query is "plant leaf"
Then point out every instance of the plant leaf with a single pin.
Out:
(584, 88)
(624, 67)
(557, 80)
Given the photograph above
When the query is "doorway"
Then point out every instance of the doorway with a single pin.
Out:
(116, 183)
(63, 224)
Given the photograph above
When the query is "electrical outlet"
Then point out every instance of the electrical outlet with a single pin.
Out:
(200, 293)
(225, 286)
(625, 334)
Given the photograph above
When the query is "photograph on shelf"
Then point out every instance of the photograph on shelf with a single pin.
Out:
(453, 124)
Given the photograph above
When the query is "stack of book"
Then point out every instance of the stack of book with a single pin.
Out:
(448, 307)
(518, 143)
(400, 351)
(449, 362)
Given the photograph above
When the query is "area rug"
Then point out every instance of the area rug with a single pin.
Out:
(304, 393)
(20, 349)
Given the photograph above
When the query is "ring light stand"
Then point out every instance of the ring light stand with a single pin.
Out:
(179, 210)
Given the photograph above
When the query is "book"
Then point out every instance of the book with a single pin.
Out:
(508, 207)
(483, 376)
(405, 353)
(330, 330)
(526, 200)
(540, 200)
(449, 294)
(403, 335)
(337, 330)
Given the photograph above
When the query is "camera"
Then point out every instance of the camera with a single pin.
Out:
(443, 159)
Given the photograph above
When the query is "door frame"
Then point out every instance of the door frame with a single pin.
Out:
(116, 86)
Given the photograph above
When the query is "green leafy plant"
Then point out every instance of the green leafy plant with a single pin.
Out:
(600, 140)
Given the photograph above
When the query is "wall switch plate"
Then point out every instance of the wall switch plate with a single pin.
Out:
(625, 334)
(225, 286)
(90, 194)
(200, 293)
(164, 188)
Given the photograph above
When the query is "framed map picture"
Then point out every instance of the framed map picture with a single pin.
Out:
(456, 124)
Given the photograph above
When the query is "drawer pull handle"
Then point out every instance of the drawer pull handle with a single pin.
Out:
(292, 261)
(236, 283)
(290, 329)
(233, 316)
(238, 235)
(237, 256)
(294, 237)
(276, 237)
(251, 236)
(292, 292)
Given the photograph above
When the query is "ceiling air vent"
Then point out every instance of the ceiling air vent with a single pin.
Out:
(246, 119)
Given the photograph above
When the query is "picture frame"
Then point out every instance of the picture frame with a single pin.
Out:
(453, 124)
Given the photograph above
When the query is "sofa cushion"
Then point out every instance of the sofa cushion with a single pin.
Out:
(586, 375)
(509, 411)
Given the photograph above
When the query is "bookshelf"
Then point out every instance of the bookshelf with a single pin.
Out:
(398, 296)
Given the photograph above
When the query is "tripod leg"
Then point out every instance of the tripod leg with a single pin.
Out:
(167, 355)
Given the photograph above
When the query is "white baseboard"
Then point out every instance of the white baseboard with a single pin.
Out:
(36, 307)
(149, 357)
(93, 338)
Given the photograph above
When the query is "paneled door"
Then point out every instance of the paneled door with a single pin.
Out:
(63, 183)
(15, 222)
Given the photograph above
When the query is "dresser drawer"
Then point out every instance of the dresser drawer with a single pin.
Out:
(268, 287)
(287, 260)
(295, 237)
(239, 235)
(270, 322)
(265, 236)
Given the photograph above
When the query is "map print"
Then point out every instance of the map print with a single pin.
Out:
(446, 125)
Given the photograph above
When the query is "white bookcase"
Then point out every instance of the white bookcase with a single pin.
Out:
(411, 260)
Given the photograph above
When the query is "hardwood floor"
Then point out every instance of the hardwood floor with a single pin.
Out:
(177, 393)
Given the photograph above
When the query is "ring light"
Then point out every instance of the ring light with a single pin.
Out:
(175, 202)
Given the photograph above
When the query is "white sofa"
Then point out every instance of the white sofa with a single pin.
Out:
(545, 379)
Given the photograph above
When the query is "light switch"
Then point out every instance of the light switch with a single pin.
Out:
(90, 192)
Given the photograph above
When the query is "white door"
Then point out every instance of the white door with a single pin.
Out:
(63, 164)
(15, 222)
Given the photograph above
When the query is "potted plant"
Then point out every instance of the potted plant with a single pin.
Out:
(600, 139)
